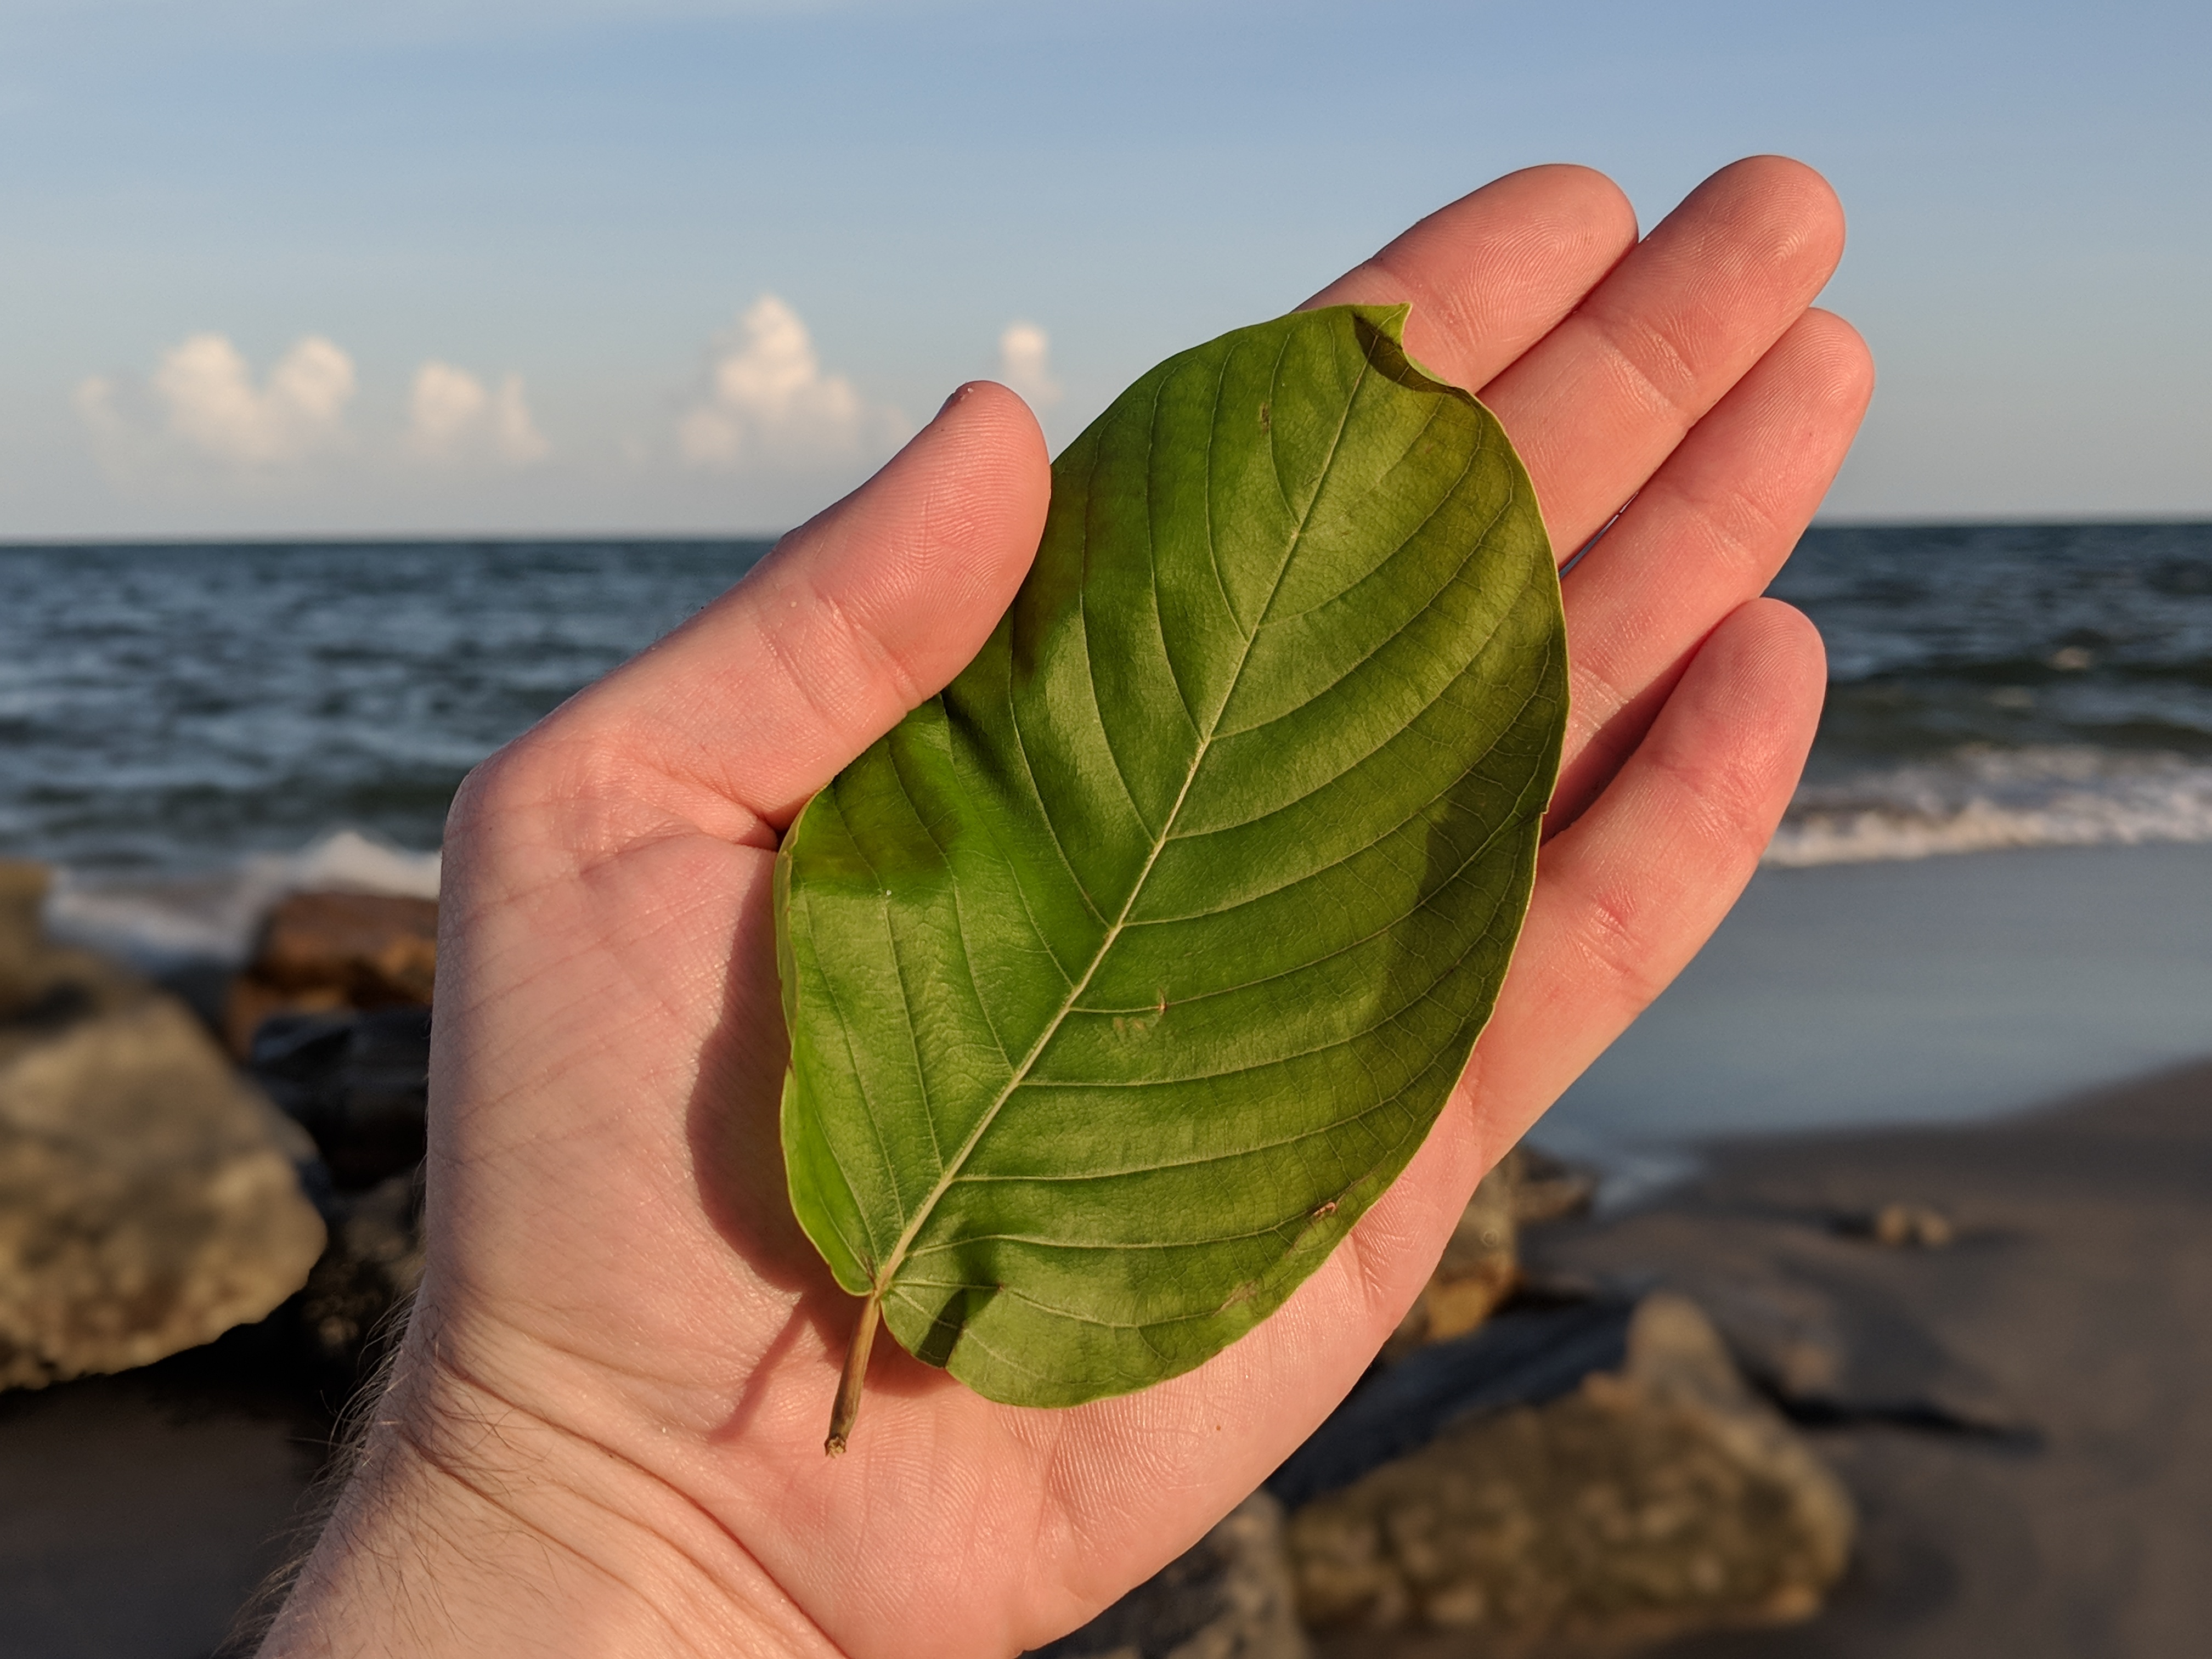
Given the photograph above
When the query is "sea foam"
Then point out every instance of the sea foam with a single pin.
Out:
(1985, 799)
(160, 921)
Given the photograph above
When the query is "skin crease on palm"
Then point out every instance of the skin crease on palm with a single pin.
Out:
(604, 1433)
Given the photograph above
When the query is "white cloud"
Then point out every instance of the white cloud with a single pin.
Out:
(767, 401)
(452, 418)
(209, 406)
(215, 407)
(1025, 364)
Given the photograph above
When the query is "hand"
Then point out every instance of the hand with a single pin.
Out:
(604, 1434)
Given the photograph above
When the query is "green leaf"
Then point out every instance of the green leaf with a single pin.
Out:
(1122, 976)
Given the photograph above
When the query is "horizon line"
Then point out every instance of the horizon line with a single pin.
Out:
(671, 538)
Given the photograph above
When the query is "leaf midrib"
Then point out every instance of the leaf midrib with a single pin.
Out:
(950, 1172)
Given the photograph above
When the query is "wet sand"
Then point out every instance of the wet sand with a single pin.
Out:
(2025, 1414)
(139, 1513)
(1949, 990)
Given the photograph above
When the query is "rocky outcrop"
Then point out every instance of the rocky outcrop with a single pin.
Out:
(44, 985)
(1657, 1498)
(1477, 1272)
(326, 950)
(1903, 1224)
(149, 1199)
(1230, 1596)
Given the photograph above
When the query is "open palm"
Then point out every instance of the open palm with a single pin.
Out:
(606, 1434)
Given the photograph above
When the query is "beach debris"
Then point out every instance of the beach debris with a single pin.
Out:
(323, 951)
(1903, 1226)
(1656, 1498)
(1229, 1596)
(149, 1199)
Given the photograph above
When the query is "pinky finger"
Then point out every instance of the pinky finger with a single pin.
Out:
(1630, 892)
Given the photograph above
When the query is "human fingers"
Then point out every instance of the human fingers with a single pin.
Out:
(1598, 404)
(1493, 272)
(1706, 534)
(1628, 894)
(858, 615)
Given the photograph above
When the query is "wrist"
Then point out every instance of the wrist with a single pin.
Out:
(470, 1525)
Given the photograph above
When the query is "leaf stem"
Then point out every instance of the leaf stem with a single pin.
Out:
(848, 1408)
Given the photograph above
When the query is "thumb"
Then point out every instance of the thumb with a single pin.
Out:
(858, 615)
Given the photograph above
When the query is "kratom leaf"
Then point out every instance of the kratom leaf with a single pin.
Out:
(1122, 976)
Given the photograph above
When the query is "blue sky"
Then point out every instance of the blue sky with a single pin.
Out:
(272, 267)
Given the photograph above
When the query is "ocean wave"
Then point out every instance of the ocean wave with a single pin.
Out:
(1985, 799)
(158, 922)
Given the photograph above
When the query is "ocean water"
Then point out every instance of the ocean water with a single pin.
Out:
(168, 711)
(1995, 686)
(1994, 888)
(188, 730)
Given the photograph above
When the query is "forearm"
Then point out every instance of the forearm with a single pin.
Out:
(470, 1527)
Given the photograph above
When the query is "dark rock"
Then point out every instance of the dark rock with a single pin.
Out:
(1825, 1325)
(1661, 1498)
(1547, 1188)
(1477, 1272)
(22, 941)
(1480, 1269)
(358, 1082)
(1229, 1596)
(44, 985)
(1522, 1358)
(371, 1268)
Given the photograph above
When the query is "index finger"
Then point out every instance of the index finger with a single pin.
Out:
(1494, 272)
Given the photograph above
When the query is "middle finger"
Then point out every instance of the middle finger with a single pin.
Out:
(1601, 401)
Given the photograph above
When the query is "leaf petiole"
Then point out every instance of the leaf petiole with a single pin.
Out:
(848, 1406)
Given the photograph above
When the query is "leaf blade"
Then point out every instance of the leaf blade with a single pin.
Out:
(1123, 975)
